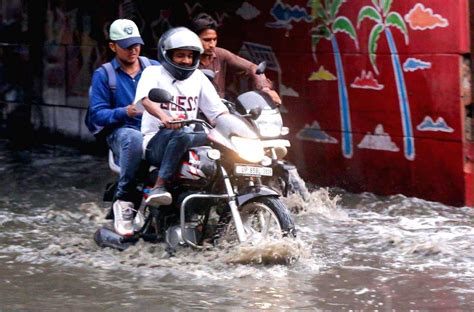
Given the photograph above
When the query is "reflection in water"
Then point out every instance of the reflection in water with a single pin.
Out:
(352, 251)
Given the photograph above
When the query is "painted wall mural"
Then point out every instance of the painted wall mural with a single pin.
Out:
(322, 74)
(439, 125)
(328, 25)
(421, 18)
(413, 64)
(379, 140)
(314, 133)
(257, 53)
(381, 88)
(385, 19)
(285, 15)
(247, 11)
(13, 57)
(366, 81)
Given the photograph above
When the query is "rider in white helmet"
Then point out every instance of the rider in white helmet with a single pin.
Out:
(165, 143)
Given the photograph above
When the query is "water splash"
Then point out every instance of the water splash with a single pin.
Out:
(319, 202)
(286, 252)
(297, 184)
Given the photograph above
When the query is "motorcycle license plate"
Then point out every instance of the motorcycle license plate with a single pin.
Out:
(245, 170)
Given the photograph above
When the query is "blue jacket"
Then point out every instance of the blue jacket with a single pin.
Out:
(109, 112)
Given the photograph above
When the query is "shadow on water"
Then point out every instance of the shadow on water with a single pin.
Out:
(353, 251)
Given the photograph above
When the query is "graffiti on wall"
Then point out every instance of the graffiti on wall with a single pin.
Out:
(413, 64)
(285, 15)
(247, 11)
(366, 80)
(439, 125)
(14, 56)
(385, 19)
(190, 9)
(314, 133)
(72, 54)
(257, 53)
(421, 18)
(328, 23)
(322, 75)
(379, 140)
(160, 24)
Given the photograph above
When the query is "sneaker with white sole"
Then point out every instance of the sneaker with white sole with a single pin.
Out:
(123, 217)
(139, 220)
(159, 196)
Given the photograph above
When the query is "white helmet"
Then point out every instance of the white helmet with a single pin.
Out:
(179, 38)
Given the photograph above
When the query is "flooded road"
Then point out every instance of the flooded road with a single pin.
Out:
(354, 251)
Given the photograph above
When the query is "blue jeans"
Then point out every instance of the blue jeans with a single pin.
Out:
(127, 145)
(168, 146)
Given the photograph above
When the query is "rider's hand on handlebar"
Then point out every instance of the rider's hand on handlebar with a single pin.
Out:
(173, 122)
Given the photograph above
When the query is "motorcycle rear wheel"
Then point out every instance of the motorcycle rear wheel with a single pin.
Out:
(265, 218)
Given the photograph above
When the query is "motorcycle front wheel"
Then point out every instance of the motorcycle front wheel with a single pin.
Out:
(265, 218)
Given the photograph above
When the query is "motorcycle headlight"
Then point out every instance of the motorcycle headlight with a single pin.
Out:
(249, 149)
(269, 130)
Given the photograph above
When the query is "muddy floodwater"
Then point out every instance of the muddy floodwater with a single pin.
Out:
(353, 251)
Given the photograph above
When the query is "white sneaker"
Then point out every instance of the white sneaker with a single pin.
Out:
(123, 217)
(159, 196)
(139, 220)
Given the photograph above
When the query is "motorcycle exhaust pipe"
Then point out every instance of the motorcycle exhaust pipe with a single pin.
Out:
(105, 237)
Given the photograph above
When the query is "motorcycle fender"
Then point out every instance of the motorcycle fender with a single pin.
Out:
(252, 192)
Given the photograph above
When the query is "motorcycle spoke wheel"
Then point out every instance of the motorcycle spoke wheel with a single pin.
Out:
(263, 219)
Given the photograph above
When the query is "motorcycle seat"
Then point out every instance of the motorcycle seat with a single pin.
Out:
(115, 167)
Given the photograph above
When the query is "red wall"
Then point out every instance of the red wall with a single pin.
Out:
(437, 36)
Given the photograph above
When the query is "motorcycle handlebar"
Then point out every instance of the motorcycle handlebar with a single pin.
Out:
(230, 105)
(186, 122)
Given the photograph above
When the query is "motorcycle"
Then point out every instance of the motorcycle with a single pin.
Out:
(219, 194)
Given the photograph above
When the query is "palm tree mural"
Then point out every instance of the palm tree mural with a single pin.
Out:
(384, 19)
(327, 25)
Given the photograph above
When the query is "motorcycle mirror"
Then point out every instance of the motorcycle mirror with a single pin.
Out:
(261, 68)
(160, 95)
(255, 112)
(210, 74)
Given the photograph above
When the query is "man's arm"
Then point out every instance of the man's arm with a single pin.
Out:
(154, 109)
(147, 82)
(259, 82)
(209, 101)
(102, 110)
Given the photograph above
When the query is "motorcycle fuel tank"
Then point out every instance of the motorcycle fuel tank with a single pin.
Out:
(197, 168)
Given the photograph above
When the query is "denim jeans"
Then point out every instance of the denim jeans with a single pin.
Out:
(127, 146)
(168, 146)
